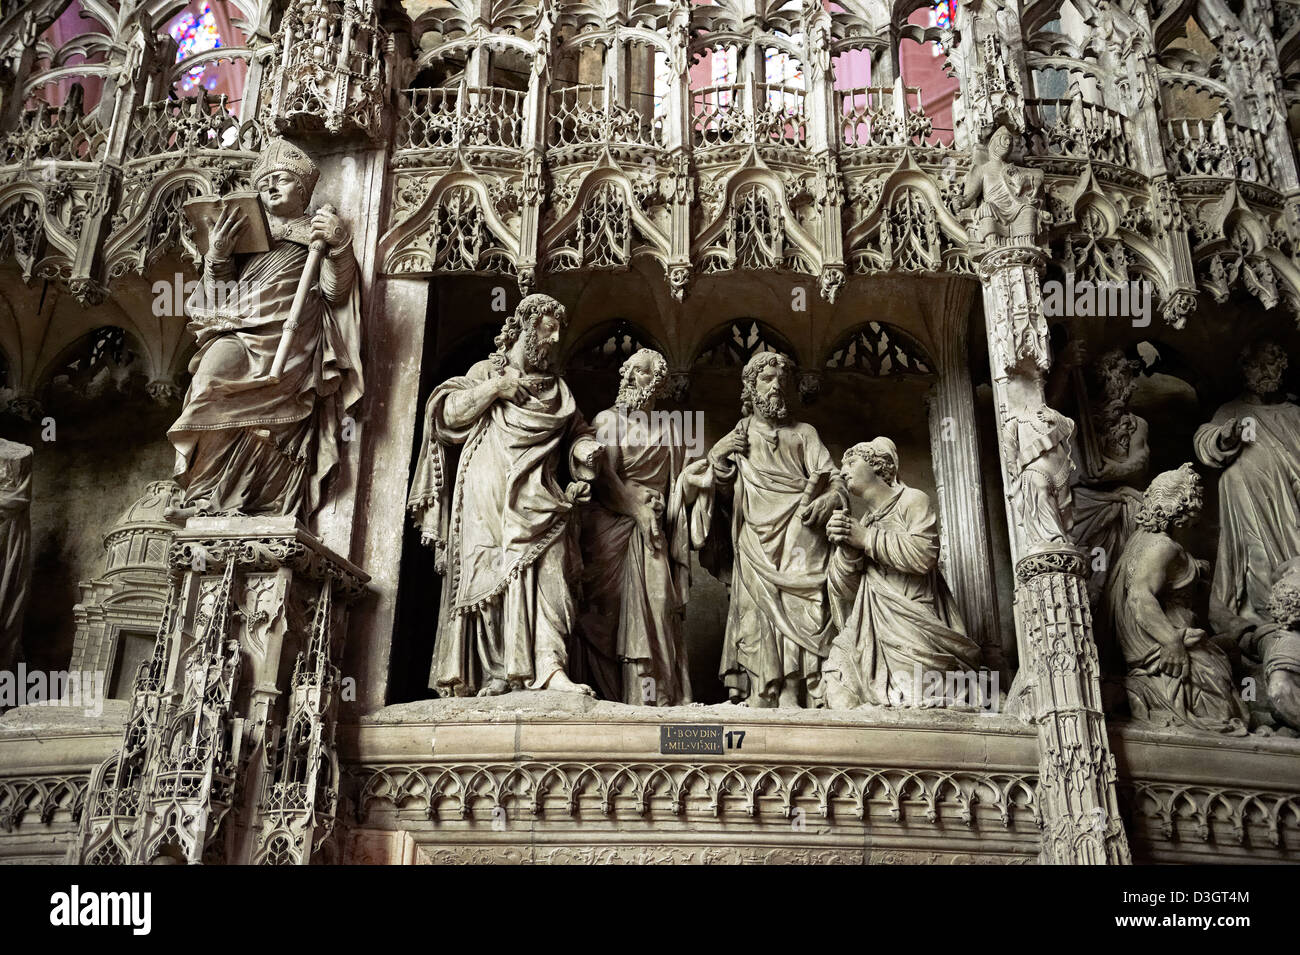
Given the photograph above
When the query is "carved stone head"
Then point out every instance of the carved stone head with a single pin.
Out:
(765, 382)
(1116, 373)
(1173, 498)
(1263, 364)
(810, 386)
(1000, 142)
(286, 177)
(880, 457)
(1117, 426)
(540, 321)
(643, 377)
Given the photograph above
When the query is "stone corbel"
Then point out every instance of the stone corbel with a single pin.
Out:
(25, 406)
(679, 277)
(831, 281)
(1177, 306)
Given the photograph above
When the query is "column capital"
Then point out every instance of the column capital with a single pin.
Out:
(1054, 559)
(993, 259)
(259, 544)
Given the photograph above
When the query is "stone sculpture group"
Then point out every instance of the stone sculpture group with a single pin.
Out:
(825, 608)
(1179, 673)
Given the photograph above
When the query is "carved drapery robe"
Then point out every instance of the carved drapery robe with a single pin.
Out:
(243, 443)
(1259, 508)
(895, 617)
(1105, 518)
(15, 547)
(1276, 647)
(1007, 196)
(1278, 651)
(635, 595)
(505, 536)
(1038, 453)
(1105, 511)
(778, 622)
(1004, 193)
(1207, 699)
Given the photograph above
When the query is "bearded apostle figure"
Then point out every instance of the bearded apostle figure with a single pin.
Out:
(246, 443)
(1255, 439)
(1273, 650)
(503, 533)
(636, 548)
(898, 627)
(778, 476)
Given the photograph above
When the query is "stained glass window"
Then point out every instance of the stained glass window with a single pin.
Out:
(194, 35)
(781, 69)
(944, 16)
(722, 65)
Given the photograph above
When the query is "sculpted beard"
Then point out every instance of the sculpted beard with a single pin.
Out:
(1263, 378)
(633, 398)
(537, 354)
(1123, 389)
(771, 406)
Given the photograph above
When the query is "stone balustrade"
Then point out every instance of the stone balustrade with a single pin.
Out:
(587, 114)
(450, 117)
(880, 116)
(1217, 148)
(1079, 130)
(53, 134)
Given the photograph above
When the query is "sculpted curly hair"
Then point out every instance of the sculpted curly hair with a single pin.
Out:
(1284, 602)
(753, 368)
(1114, 372)
(529, 310)
(880, 455)
(1262, 349)
(1171, 500)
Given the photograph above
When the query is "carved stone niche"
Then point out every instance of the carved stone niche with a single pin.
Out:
(119, 611)
(228, 753)
(329, 74)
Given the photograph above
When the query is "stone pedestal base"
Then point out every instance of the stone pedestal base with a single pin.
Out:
(1184, 798)
(228, 752)
(551, 777)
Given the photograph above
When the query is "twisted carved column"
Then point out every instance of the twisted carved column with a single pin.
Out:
(1060, 692)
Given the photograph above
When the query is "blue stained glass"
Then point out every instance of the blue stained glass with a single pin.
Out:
(194, 35)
